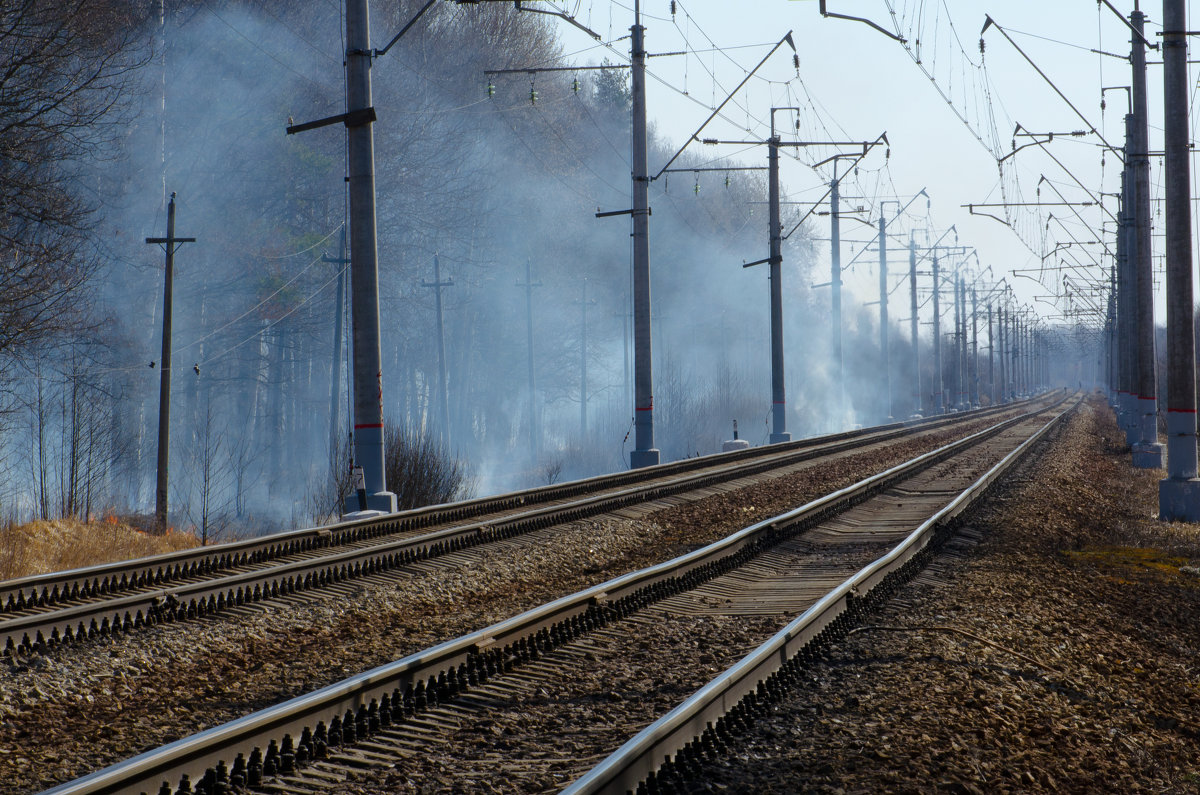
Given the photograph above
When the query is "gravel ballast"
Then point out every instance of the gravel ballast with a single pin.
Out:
(81, 708)
(1058, 655)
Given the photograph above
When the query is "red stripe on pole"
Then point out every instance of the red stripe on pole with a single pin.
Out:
(1181, 411)
(648, 408)
(369, 425)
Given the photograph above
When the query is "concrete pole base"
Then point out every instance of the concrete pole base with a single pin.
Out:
(776, 438)
(1133, 434)
(1129, 418)
(1179, 500)
(380, 503)
(1148, 456)
(734, 444)
(643, 458)
(351, 516)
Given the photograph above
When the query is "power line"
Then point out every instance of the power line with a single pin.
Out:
(336, 229)
(260, 304)
(582, 160)
(267, 53)
(278, 320)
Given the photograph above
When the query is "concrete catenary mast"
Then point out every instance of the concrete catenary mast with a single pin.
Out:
(1147, 452)
(644, 453)
(1179, 492)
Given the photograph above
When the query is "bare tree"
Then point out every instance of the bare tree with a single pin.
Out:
(65, 69)
(206, 491)
(40, 458)
(73, 436)
(244, 465)
(552, 471)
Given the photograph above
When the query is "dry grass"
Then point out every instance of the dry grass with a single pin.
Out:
(39, 547)
(1135, 559)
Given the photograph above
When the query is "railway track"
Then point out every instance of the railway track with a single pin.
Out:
(44, 611)
(538, 698)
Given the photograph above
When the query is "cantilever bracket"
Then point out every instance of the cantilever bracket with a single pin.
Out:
(971, 210)
(1034, 142)
(354, 118)
(884, 31)
(611, 213)
(771, 260)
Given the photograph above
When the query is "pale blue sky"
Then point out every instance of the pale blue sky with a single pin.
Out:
(856, 83)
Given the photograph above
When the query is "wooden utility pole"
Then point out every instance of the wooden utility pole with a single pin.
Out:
(583, 357)
(534, 436)
(335, 371)
(443, 386)
(169, 244)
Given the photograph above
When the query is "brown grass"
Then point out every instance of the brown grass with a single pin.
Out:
(45, 546)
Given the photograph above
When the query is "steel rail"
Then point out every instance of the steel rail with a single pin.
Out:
(44, 590)
(682, 731)
(374, 698)
(122, 614)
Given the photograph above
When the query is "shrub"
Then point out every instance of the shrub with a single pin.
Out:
(420, 471)
(417, 467)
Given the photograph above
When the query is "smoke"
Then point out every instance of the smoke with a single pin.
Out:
(487, 179)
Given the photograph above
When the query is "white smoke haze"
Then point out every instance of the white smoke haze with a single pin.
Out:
(487, 183)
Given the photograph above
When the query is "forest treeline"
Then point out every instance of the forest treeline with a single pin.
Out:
(107, 108)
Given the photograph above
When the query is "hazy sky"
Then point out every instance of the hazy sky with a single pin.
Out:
(854, 83)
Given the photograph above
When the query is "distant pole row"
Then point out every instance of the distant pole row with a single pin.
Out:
(1131, 348)
(1179, 492)
(1147, 452)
